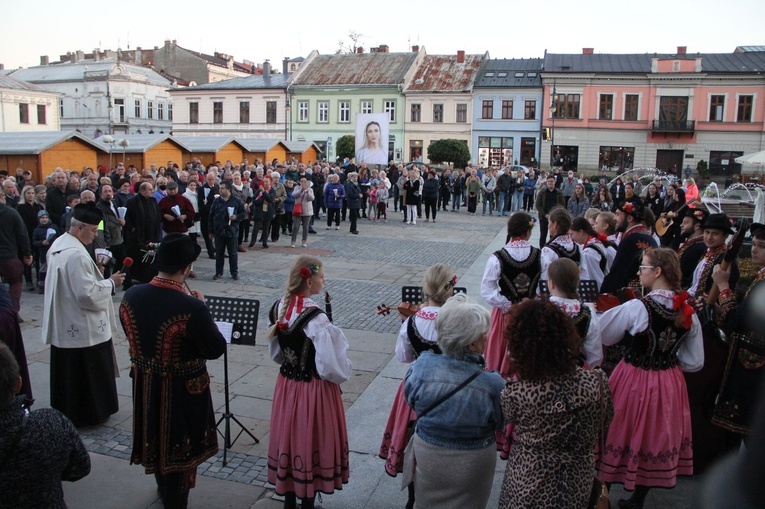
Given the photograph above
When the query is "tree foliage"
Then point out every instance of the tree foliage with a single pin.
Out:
(449, 150)
(346, 146)
(351, 45)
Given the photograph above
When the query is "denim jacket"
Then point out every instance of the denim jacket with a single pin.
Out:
(469, 418)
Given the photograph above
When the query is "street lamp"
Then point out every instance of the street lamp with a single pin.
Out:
(553, 110)
(109, 140)
(124, 143)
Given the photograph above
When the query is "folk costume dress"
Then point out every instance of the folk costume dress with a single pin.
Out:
(649, 442)
(416, 335)
(588, 327)
(173, 415)
(561, 246)
(308, 447)
(511, 275)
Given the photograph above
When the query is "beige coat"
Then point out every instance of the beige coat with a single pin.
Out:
(78, 309)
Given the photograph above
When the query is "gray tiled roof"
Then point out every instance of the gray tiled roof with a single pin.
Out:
(36, 142)
(204, 143)
(641, 64)
(70, 71)
(259, 144)
(510, 72)
(9, 82)
(138, 143)
(356, 69)
(299, 147)
(245, 83)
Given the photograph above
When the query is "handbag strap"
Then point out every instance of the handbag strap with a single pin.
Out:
(450, 394)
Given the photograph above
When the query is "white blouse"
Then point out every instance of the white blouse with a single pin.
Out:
(425, 321)
(518, 250)
(549, 256)
(332, 362)
(591, 264)
(592, 348)
(632, 317)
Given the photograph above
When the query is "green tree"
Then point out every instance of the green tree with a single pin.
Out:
(450, 151)
(346, 146)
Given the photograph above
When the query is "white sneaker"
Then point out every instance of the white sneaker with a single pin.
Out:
(414, 222)
(337, 227)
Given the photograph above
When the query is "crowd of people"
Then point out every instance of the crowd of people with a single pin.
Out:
(541, 379)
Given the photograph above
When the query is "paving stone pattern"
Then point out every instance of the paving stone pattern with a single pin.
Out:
(241, 468)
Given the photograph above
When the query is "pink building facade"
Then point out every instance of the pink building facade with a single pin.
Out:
(617, 112)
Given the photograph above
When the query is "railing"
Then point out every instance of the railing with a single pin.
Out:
(674, 126)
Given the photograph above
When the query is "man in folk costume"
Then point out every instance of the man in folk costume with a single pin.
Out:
(173, 416)
(709, 441)
(635, 238)
(78, 323)
(693, 248)
(738, 398)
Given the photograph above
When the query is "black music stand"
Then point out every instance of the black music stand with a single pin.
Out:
(243, 314)
(413, 294)
(588, 289)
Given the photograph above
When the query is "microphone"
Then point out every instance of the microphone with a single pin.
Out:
(126, 263)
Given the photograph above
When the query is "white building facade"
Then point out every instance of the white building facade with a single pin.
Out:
(27, 108)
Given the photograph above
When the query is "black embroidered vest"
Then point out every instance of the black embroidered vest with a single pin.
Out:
(656, 347)
(582, 324)
(298, 352)
(574, 254)
(519, 280)
(419, 344)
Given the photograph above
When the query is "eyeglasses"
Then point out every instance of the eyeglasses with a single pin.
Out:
(647, 267)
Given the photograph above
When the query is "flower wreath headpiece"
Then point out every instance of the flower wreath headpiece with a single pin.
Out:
(309, 271)
(453, 281)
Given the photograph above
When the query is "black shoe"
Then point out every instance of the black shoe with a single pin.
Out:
(265, 246)
(235, 277)
(211, 256)
(217, 277)
(312, 231)
(355, 233)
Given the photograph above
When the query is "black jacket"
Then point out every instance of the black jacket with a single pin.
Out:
(430, 189)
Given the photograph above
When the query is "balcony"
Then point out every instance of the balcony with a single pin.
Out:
(674, 126)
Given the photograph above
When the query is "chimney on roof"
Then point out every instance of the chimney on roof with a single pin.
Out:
(266, 68)
(383, 48)
(461, 56)
(167, 43)
(681, 50)
(156, 47)
(2, 66)
(415, 49)
(175, 42)
(96, 55)
(588, 51)
(359, 50)
(80, 55)
(44, 60)
(284, 65)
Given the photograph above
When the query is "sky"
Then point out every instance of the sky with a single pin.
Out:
(274, 30)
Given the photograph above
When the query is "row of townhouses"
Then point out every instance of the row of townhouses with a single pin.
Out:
(585, 111)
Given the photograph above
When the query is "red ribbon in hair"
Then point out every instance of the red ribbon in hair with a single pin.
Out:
(680, 301)
(295, 305)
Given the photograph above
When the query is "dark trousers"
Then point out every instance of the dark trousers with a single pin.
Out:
(333, 214)
(221, 245)
(258, 225)
(543, 223)
(318, 204)
(354, 216)
(345, 209)
(204, 224)
(244, 230)
(364, 198)
(431, 206)
(382, 210)
(443, 200)
(172, 490)
(276, 226)
(12, 270)
(528, 202)
(419, 207)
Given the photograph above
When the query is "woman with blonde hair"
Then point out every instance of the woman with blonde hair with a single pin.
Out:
(412, 195)
(308, 446)
(416, 335)
(649, 442)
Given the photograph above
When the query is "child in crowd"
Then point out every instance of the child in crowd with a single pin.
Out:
(372, 201)
(42, 237)
(382, 201)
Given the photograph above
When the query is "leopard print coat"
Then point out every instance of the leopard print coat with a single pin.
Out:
(558, 424)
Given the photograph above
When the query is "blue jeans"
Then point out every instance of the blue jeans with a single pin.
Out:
(456, 200)
(488, 198)
(503, 204)
(221, 245)
(517, 200)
